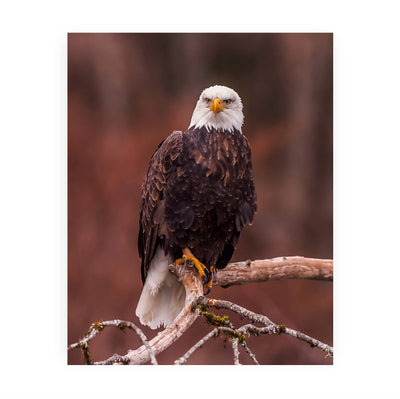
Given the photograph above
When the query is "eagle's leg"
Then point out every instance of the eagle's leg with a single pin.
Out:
(201, 269)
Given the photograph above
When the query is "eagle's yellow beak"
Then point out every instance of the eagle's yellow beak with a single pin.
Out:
(216, 106)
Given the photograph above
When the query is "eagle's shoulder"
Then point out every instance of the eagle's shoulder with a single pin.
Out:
(162, 161)
(169, 149)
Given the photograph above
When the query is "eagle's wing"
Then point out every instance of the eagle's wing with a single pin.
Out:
(240, 157)
(151, 223)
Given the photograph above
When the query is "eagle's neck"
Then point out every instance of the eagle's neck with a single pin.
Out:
(204, 131)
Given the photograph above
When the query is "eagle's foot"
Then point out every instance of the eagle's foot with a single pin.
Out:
(201, 269)
(206, 274)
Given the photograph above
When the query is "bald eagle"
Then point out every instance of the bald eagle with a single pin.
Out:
(197, 197)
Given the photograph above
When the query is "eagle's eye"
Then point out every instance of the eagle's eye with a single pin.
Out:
(227, 101)
(207, 100)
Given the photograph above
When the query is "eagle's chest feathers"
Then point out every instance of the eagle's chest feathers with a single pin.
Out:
(214, 157)
(207, 194)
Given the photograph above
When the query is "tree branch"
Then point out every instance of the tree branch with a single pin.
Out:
(286, 267)
(198, 345)
(250, 353)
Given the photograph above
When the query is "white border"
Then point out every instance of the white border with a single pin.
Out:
(33, 200)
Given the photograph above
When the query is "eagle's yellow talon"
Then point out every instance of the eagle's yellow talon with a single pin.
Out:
(187, 255)
(209, 284)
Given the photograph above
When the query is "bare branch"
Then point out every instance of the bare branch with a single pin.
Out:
(198, 345)
(95, 329)
(250, 353)
(235, 351)
(286, 267)
(310, 340)
(272, 328)
(222, 304)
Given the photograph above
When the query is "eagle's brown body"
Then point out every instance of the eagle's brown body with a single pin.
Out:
(198, 193)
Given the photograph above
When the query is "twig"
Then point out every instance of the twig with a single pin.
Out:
(286, 267)
(198, 345)
(310, 340)
(250, 353)
(235, 351)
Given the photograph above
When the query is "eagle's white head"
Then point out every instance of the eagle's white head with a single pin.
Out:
(218, 107)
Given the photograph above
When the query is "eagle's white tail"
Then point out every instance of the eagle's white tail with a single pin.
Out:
(163, 297)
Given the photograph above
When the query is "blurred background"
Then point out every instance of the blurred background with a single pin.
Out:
(126, 93)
